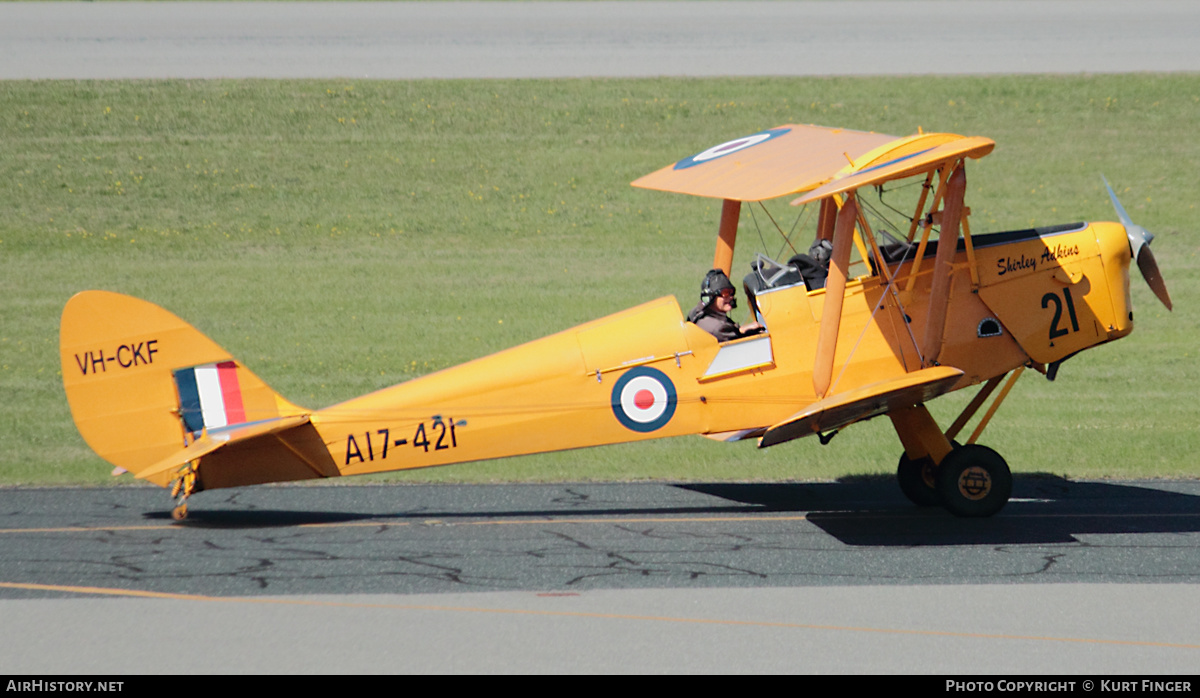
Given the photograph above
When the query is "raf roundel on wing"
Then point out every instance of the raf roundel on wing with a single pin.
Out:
(730, 147)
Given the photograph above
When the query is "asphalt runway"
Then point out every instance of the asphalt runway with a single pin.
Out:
(1094, 579)
(404, 40)
(1072, 577)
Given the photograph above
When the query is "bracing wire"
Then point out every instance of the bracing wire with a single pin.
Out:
(757, 227)
(880, 191)
(871, 210)
(801, 216)
(888, 289)
(787, 237)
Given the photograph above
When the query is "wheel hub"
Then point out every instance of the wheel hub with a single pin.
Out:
(929, 474)
(974, 483)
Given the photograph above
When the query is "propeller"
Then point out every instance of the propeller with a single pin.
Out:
(1139, 244)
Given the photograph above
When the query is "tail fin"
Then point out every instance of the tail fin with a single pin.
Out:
(143, 384)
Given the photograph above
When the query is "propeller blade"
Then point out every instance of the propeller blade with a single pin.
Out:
(1139, 245)
(1125, 219)
(1137, 234)
(1149, 268)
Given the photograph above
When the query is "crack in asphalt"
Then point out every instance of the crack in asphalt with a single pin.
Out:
(599, 551)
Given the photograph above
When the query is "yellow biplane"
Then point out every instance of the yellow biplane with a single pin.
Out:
(909, 309)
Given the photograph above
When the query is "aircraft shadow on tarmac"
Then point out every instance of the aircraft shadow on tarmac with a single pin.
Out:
(868, 511)
(1044, 508)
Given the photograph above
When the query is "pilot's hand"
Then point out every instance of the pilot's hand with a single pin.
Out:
(752, 328)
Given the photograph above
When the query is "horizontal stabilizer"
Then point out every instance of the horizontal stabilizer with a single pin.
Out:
(213, 440)
(862, 403)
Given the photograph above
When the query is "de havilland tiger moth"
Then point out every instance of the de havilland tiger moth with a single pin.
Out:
(907, 305)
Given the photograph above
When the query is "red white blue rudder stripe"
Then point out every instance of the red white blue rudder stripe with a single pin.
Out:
(210, 396)
(643, 399)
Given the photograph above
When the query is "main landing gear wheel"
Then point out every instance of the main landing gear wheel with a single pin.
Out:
(918, 480)
(974, 481)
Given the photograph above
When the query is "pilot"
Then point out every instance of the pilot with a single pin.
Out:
(712, 313)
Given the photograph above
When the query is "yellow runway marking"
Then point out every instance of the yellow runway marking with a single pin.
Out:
(527, 522)
(600, 520)
(84, 529)
(426, 522)
(102, 591)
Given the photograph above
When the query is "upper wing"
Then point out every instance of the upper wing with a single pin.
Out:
(779, 161)
(903, 157)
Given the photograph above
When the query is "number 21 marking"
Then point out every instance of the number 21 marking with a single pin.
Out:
(1055, 330)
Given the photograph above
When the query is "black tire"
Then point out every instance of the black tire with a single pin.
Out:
(918, 480)
(974, 481)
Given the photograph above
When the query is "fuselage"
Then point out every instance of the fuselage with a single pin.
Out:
(1035, 297)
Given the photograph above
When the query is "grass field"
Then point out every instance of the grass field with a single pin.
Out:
(340, 237)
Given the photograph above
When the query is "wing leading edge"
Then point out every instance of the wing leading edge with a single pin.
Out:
(904, 157)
